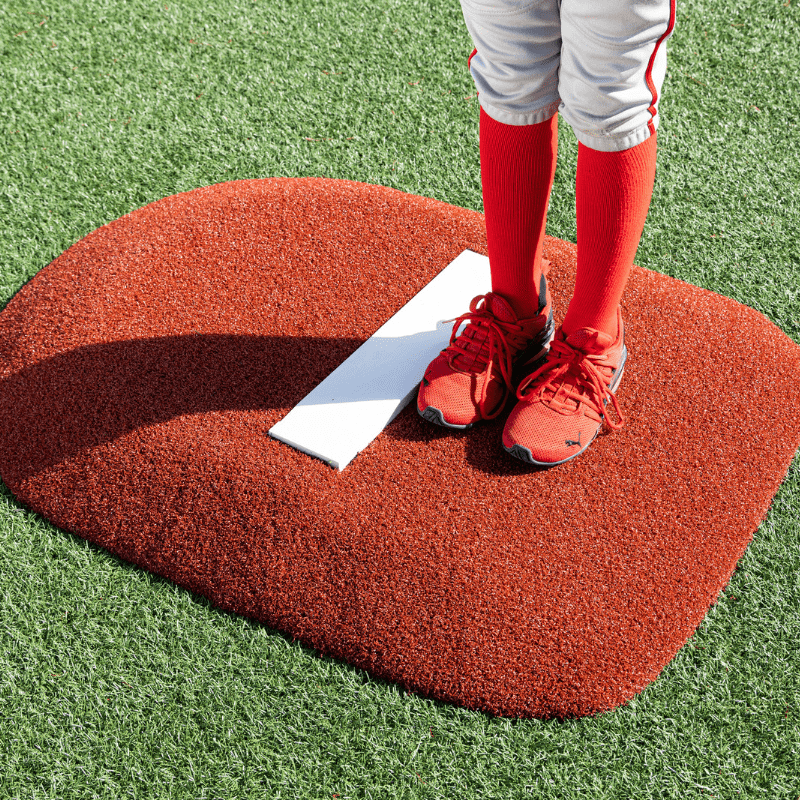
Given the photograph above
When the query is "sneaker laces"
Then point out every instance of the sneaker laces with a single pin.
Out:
(579, 374)
(488, 341)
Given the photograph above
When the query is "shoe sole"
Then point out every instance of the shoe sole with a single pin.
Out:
(524, 454)
(434, 415)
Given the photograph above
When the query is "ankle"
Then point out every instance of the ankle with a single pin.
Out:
(525, 306)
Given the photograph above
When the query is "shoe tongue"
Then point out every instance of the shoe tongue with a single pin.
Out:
(500, 308)
(478, 334)
(590, 340)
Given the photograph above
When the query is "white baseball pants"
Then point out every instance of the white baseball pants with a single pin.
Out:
(600, 63)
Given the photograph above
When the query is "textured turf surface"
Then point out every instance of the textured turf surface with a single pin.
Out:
(114, 682)
(143, 368)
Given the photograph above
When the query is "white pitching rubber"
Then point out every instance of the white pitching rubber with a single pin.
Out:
(344, 413)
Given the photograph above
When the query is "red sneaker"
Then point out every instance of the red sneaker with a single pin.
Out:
(562, 404)
(472, 378)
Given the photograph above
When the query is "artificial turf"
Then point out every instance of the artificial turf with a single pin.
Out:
(115, 683)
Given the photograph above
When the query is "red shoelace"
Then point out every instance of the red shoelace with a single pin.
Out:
(499, 344)
(580, 374)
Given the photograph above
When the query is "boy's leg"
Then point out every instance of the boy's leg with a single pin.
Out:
(613, 63)
(515, 69)
(518, 164)
(612, 197)
(615, 119)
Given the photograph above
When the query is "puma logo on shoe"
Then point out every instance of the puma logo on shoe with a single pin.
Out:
(570, 442)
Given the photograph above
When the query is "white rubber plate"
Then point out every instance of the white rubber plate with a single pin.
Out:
(344, 413)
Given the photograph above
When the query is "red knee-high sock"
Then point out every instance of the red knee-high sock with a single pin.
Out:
(612, 197)
(518, 164)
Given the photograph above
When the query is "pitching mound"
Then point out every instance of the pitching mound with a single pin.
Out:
(141, 371)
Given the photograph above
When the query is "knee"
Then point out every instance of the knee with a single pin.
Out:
(612, 70)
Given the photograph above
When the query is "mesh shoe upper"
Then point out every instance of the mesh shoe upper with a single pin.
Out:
(471, 379)
(562, 404)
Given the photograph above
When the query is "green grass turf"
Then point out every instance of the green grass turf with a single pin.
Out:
(115, 683)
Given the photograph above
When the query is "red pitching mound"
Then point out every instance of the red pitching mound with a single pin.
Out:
(142, 369)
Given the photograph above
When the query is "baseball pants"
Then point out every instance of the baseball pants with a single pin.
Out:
(600, 63)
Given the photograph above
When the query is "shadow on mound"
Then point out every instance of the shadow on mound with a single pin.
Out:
(98, 393)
